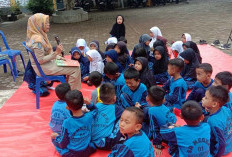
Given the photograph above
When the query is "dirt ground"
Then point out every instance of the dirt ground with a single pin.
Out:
(203, 19)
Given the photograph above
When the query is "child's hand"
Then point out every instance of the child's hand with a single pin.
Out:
(137, 105)
(131, 65)
(158, 152)
(53, 135)
(86, 78)
(87, 101)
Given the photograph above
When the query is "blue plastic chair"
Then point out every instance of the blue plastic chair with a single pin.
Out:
(6, 61)
(12, 55)
(42, 76)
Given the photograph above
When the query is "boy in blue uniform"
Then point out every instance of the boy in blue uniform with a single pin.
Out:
(76, 131)
(59, 112)
(192, 139)
(157, 115)
(137, 143)
(117, 79)
(133, 91)
(225, 79)
(204, 81)
(96, 79)
(105, 129)
(220, 120)
(176, 87)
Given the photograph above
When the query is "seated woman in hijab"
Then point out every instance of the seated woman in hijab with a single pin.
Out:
(37, 40)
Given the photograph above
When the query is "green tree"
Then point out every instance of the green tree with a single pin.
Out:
(41, 6)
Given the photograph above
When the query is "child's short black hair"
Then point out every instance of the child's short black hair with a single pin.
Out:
(61, 90)
(131, 73)
(225, 77)
(191, 111)
(156, 95)
(177, 62)
(111, 68)
(107, 92)
(138, 112)
(158, 42)
(206, 67)
(74, 99)
(95, 78)
(122, 38)
(219, 94)
(140, 52)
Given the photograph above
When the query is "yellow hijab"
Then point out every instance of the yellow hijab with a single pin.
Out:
(35, 31)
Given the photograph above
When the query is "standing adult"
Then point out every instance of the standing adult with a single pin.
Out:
(37, 28)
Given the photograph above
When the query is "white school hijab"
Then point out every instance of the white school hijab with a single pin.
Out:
(96, 64)
(188, 37)
(111, 40)
(156, 32)
(82, 42)
(178, 46)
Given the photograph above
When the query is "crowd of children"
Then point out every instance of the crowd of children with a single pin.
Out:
(136, 97)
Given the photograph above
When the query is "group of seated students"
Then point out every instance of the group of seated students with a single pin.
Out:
(128, 109)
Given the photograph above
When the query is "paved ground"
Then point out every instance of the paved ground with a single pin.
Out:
(203, 19)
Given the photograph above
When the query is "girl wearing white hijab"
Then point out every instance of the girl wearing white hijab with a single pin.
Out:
(186, 37)
(81, 45)
(154, 33)
(96, 61)
(177, 48)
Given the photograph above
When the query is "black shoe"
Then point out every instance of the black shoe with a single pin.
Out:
(20, 73)
(216, 42)
(201, 42)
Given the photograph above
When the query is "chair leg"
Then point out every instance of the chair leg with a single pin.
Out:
(37, 91)
(4, 68)
(11, 71)
(13, 61)
(23, 61)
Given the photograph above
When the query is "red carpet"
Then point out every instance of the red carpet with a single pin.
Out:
(24, 131)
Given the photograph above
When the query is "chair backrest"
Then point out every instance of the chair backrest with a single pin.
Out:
(4, 40)
(29, 51)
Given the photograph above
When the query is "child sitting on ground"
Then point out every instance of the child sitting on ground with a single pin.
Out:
(105, 129)
(192, 139)
(177, 48)
(95, 79)
(84, 63)
(75, 137)
(160, 65)
(112, 56)
(96, 61)
(94, 45)
(186, 37)
(157, 115)
(82, 46)
(225, 79)
(133, 91)
(146, 75)
(176, 87)
(220, 120)
(191, 62)
(116, 78)
(137, 143)
(59, 112)
(204, 81)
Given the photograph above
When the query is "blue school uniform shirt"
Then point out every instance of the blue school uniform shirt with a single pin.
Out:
(105, 120)
(139, 95)
(136, 146)
(58, 114)
(76, 133)
(119, 83)
(229, 104)
(176, 92)
(221, 129)
(155, 117)
(196, 86)
(188, 141)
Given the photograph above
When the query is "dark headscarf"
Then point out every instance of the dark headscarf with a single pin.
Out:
(82, 59)
(114, 56)
(189, 69)
(160, 66)
(96, 43)
(123, 55)
(110, 46)
(142, 40)
(191, 44)
(118, 30)
(161, 41)
(146, 75)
